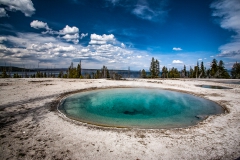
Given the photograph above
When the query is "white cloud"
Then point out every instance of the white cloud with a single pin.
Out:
(100, 40)
(25, 6)
(177, 49)
(3, 13)
(112, 61)
(85, 50)
(49, 50)
(59, 48)
(177, 61)
(229, 14)
(139, 56)
(69, 30)
(3, 39)
(36, 47)
(39, 24)
(123, 45)
(212, 56)
(70, 34)
(74, 38)
(200, 59)
(83, 35)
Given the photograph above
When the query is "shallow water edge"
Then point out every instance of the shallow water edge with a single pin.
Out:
(62, 97)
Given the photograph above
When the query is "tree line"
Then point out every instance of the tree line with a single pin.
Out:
(216, 70)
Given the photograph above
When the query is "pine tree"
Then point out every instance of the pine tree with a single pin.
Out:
(222, 71)
(214, 68)
(202, 71)
(184, 71)
(152, 68)
(157, 65)
(173, 73)
(78, 71)
(4, 74)
(236, 71)
(164, 72)
(191, 72)
(143, 74)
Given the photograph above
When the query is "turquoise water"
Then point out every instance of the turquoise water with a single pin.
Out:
(138, 108)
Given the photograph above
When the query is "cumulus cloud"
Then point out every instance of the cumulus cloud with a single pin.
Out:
(3, 39)
(69, 30)
(177, 62)
(25, 6)
(61, 49)
(228, 13)
(70, 34)
(74, 38)
(3, 13)
(85, 50)
(177, 49)
(101, 39)
(200, 59)
(48, 50)
(36, 47)
(39, 24)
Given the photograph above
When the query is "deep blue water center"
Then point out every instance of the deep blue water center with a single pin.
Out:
(138, 108)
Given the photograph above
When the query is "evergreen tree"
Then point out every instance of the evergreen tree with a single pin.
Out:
(208, 73)
(157, 65)
(154, 68)
(173, 73)
(191, 73)
(45, 74)
(214, 68)
(184, 71)
(164, 72)
(202, 70)
(143, 74)
(222, 72)
(236, 71)
(4, 74)
(15, 75)
(108, 75)
(60, 75)
(78, 74)
(98, 75)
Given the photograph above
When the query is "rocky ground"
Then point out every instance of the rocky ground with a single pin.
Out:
(32, 128)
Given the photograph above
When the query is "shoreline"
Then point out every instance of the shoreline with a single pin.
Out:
(109, 127)
(30, 128)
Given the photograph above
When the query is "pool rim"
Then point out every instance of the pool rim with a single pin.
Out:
(56, 104)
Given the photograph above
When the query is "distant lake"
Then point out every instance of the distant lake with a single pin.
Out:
(55, 72)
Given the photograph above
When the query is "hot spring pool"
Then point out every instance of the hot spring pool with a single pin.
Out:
(138, 108)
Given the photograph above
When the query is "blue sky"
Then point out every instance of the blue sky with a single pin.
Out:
(119, 33)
